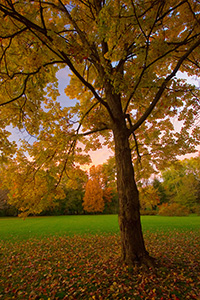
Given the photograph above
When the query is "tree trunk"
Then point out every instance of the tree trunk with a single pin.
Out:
(133, 247)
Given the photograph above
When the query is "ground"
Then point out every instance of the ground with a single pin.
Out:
(87, 266)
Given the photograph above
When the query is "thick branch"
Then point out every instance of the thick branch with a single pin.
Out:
(42, 17)
(25, 81)
(135, 139)
(79, 31)
(93, 131)
(19, 96)
(20, 18)
(86, 83)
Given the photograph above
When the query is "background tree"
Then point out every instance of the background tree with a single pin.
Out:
(161, 191)
(109, 174)
(5, 208)
(73, 188)
(93, 199)
(124, 57)
(149, 198)
(182, 183)
(98, 180)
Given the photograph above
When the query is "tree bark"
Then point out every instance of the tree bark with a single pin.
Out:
(133, 247)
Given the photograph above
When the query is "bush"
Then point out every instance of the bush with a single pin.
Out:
(173, 209)
(196, 209)
(146, 212)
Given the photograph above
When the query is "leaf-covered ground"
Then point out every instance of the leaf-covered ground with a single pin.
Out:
(88, 267)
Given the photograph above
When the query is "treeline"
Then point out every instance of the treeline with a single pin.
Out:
(176, 192)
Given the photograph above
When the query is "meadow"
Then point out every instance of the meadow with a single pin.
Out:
(78, 257)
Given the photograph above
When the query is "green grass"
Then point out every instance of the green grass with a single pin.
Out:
(19, 229)
(77, 257)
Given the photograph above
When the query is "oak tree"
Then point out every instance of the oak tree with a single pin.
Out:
(123, 58)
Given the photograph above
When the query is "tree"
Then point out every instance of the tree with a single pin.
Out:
(123, 57)
(110, 186)
(149, 198)
(182, 183)
(72, 201)
(161, 191)
(93, 199)
(97, 193)
(5, 208)
(3, 200)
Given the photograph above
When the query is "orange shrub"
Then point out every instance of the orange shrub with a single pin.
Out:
(173, 209)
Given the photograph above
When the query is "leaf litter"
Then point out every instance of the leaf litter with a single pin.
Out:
(89, 267)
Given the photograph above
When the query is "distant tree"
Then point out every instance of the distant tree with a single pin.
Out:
(5, 208)
(105, 175)
(149, 198)
(109, 173)
(93, 200)
(74, 201)
(73, 191)
(3, 201)
(159, 187)
(182, 182)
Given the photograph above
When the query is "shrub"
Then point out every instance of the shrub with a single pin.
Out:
(196, 209)
(146, 212)
(173, 209)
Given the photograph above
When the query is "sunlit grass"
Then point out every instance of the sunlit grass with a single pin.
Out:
(19, 229)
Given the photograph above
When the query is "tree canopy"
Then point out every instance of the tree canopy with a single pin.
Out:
(136, 47)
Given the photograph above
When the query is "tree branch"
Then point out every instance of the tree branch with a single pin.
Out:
(20, 18)
(134, 136)
(19, 96)
(42, 17)
(86, 83)
(79, 31)
(85, 115)
(61, 54)
(93, 131)
(162, 88)
(14, 34)
(145, 67)
(25, 81)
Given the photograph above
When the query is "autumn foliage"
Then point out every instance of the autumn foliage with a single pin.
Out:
(97, 194)
(93, 199)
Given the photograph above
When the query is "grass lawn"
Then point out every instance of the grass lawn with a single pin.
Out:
(18, 229)
(77, 257)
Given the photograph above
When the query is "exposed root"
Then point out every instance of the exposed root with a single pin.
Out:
(145, 263)
(148, 262)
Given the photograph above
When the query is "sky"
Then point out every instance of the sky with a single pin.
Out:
(99, 156)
